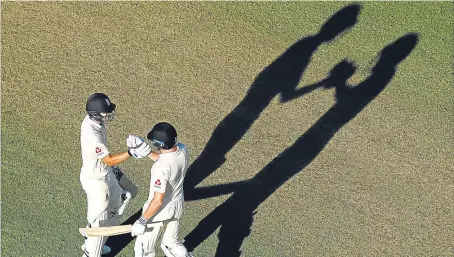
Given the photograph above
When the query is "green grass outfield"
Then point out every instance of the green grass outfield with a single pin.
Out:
(382, 186)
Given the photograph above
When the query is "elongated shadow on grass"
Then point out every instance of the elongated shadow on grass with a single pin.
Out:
(235, 215)
(280, 77)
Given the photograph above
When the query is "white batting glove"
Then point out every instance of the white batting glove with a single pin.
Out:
(133, 141)
(140, 151)
(139, 227)
(137, 147)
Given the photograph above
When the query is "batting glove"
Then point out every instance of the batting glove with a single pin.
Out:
(133, 141)
(137, 147)
(139, 227)
(140, 151)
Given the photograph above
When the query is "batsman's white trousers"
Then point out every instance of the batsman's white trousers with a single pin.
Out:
(103, 202)
(170, 215)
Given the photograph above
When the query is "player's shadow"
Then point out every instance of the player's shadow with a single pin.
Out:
(235, 215)
(280, 77)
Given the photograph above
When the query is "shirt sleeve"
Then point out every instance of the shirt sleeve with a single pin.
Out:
(100, 149)
(160, 175)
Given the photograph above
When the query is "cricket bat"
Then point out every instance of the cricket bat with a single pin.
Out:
(105, 231)
(128, 185)
(116, 230)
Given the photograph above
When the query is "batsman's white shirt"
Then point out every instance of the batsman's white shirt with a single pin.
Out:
(93, 141)
(167, 176)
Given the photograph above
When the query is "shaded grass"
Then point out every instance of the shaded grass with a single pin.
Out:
(382, 186)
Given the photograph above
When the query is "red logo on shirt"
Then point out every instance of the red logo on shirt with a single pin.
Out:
(98, 150)
(158, 182)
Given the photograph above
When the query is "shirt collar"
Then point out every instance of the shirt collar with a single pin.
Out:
(94, 123)
(171, 153)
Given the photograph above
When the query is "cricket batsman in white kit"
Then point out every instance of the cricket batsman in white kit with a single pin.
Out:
(164, 206)
(108, 190)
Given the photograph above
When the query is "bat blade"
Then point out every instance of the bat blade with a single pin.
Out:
(105, 231)
(128, 185)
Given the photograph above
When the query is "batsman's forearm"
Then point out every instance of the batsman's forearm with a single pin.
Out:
(115, 159)
(152, 209)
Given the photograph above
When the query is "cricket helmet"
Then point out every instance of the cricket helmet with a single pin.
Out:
(163, 136)
(100, 108)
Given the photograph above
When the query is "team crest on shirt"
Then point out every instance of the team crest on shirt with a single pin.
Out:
(98, 150)
(157, 183)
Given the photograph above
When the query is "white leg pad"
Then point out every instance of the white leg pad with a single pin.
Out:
(145, 244)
